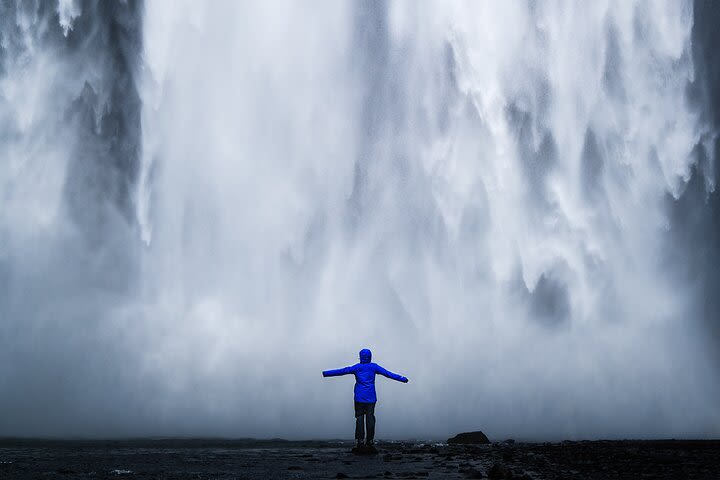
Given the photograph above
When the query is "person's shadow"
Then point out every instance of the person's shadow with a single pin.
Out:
(365, 450)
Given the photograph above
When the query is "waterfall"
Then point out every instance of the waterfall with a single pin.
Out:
(205, 204)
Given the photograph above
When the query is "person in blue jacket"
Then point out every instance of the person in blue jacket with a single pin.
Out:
(365, 396)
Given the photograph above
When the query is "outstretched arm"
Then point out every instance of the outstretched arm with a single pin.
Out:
(338, 372)
(389, 374)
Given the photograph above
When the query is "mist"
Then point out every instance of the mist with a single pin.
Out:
(205, 204)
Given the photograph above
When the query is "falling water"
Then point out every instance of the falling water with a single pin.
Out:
(225, 198)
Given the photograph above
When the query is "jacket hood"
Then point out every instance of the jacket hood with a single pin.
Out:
(365, 355)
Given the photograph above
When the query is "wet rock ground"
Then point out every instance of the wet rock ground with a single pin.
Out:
(275, 459)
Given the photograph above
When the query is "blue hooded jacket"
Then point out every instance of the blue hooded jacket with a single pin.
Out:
(365, 376)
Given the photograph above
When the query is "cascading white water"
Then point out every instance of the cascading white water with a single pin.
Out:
(477, 191)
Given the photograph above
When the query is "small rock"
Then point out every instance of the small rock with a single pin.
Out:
(294, 467)
(341, 475)
(469, 438)
(118, 471)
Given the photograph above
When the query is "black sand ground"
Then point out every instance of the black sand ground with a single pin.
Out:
(250, 459)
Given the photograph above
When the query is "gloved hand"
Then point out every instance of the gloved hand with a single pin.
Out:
(404, 380)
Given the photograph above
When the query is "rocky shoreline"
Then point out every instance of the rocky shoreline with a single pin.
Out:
(251, 459)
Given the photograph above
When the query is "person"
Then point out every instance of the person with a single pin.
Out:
(365, 396)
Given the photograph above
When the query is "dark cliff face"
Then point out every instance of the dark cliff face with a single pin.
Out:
(104, 168)
(694, 245)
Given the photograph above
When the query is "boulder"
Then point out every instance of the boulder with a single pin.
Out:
(469, 438)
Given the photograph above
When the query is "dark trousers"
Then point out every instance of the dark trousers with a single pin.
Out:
(364, 414)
